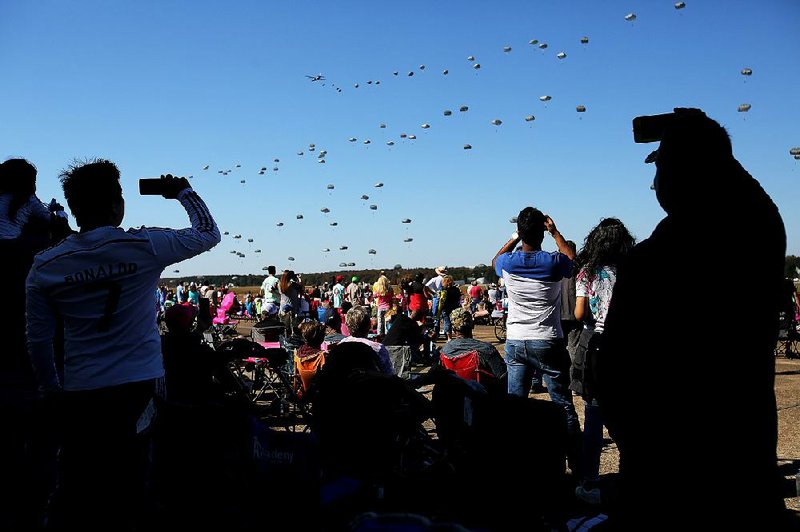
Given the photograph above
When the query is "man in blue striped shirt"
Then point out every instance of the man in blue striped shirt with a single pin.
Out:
(534, 340)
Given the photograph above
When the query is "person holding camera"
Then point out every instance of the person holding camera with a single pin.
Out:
(534, 340)
(712, 468)
(100, 282)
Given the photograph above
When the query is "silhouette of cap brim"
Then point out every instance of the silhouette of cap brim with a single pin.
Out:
(652, 157)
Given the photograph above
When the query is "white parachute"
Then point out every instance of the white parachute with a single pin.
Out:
(530, 118)
(561, 55)
(630, 17)
(545, 98)
(496, 122)
(743, 108)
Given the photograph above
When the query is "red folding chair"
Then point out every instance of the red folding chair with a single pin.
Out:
(465, 365)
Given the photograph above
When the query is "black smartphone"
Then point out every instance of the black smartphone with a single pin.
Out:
(650, 128)
(151, 186)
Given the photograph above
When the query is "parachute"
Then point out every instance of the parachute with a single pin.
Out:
(530, 118)
(533, 41)
(373, 207)
(325, 250)
(265, 268)
(743, 108)
(398, 266)
(333, 224)
(325, 210)
(476, 66)
(238, 166)
(513, 219)
(422, 67)
(680, 5)
(343, 265)
(299, 217)
(408, 240)
(342, 248)
(382, 126)
(352, 139)
(364, 197)
(276, 160)
(630, 17)
(226, 233)
(257, 251)
(367, 141)
(794, 151)
(279, 224)
(410, 73)
(747, 72)
(545, 98)
(351, 264)
(355, 86)
(580, 109)
(470, 58)
(447, 112)
(463, 108)
(561, 55)
(445, 72)
(506, 49)
(496, 122)
(412, 137)
(372, 252)
(425, 126)
(289, 258)
(176, 271)
(406, 220)
(205, 167)
(242, 181)
(390, 143)
(543, 46)
(403, 135)
(378, 184)
(467, 146)
(330, 187)
(584, 40)
(250, 240)
(237, 236)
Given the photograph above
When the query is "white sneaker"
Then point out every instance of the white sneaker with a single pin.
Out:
(591, 496)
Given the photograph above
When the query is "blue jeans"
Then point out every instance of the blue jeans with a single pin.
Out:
(550, 359)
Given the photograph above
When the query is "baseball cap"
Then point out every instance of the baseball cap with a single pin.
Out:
(339, 278)
(355, 279)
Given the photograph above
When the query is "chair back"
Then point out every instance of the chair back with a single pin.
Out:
(305, 369)
(465, 365)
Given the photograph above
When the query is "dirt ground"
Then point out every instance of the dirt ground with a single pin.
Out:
(787, 392)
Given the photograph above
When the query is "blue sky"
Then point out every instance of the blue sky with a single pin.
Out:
(173, 86)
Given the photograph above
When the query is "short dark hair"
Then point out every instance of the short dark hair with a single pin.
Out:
(530, 225)
(18, 178)
(313, 332)
(271, 270)
(91, 189)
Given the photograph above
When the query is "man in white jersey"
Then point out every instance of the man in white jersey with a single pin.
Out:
(535, 342)
(269, 288)
(100, 282)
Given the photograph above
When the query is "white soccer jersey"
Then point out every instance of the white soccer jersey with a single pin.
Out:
(101, 282)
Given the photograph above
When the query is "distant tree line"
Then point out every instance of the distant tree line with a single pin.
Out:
(792, 268)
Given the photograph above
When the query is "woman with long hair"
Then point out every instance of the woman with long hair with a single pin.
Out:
(604, 248)
(384, 301)
(290, 289)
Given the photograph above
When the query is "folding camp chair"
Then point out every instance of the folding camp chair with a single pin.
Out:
(465, 365)
(305, 369)
(788, 337)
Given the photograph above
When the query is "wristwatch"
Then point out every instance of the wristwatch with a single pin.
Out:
(514, 236)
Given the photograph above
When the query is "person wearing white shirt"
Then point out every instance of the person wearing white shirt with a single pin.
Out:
(99, 282)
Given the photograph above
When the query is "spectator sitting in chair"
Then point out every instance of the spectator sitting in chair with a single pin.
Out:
(359, 322)
(463, 342)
